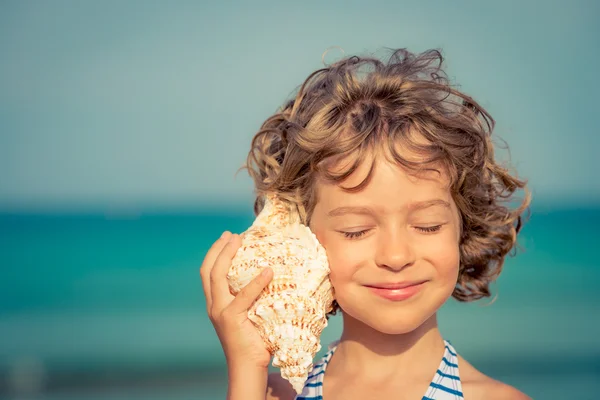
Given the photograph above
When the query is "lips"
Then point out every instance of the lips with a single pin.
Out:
(396, 291)
(394, 286)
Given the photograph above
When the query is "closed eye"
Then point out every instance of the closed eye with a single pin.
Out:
(354, 235)
(429, 229)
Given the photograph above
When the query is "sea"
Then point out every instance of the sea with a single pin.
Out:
(110, 306)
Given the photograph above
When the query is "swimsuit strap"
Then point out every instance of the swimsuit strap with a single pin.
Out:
(446, 384)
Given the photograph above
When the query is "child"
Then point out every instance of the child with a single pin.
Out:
(393, 170)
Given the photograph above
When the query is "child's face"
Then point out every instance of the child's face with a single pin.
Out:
(401, 230)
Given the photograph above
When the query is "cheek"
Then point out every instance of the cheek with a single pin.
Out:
(445, 253)
(442, 248)
(344, 258)
(439, 256)
(445, 256)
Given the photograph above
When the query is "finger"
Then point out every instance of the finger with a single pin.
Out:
(219, 286)
(244, 299)
(208, 263)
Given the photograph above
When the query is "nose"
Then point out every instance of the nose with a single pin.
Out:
(394, 250)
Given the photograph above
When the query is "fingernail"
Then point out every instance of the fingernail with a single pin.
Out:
(231, 238)
(224, 234)
(264, 272)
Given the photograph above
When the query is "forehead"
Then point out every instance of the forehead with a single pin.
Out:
(390, 187)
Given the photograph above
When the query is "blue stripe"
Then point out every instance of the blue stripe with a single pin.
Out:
(448, 363)
(450, 351)
(317, 374)
(427, 398)
(447, 375)
(446, 389)
(315, 384)
(310, 398)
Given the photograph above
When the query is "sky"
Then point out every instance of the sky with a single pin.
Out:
(119, 105)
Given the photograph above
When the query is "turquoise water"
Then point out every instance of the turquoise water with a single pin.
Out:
(100, 307)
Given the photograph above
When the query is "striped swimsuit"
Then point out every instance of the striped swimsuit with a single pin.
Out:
(444, 386)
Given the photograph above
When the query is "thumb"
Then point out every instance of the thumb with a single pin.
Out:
(244, 299)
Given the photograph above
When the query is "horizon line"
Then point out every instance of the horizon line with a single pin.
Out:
(202, 207)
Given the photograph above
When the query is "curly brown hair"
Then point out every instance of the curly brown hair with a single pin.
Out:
(361, 102)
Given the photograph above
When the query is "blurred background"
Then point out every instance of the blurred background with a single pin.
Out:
(122, 124)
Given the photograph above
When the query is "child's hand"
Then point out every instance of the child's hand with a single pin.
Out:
(242, 344)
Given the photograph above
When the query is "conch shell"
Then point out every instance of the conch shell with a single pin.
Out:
(290, 313)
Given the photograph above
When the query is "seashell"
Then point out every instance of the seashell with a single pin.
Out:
(290, 313)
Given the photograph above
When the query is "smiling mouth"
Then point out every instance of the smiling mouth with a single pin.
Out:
(395, 286)
(396, 292)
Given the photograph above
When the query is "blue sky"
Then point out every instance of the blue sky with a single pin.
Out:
(134, 104)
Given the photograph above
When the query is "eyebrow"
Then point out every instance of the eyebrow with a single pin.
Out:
(428, 203)
(420, 205)
(336, 212)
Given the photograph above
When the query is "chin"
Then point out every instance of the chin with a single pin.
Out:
(393, 318)
(392, 321)
(395, 324)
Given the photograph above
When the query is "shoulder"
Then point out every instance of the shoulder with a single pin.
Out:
(490, 389)
(477, 385)
(279, 389)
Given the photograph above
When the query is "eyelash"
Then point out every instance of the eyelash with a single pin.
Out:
(354, 235)
(429, 229)
(424, 229)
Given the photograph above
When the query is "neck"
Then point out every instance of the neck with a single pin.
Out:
(370, 353)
